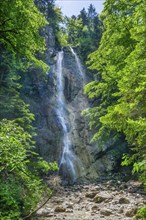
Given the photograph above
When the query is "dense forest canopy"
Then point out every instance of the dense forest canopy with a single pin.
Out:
(114, 46)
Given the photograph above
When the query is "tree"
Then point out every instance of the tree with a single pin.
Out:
(22, 21)
(21, 45)
(74, 28)
(120, 86)
(54, 17)
(91, 16)
(20, 186)
(84, 31)
(83, 15)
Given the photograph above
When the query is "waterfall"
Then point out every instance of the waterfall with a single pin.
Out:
(67, 163)
(80, 69)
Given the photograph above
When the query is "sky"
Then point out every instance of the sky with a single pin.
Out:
(73, 7)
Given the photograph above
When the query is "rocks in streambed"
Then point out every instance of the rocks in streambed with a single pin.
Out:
(59, 209)
(91, 195)
(46, 212)
(124, 201)
(102, 197)
(95, 208)
(99, 199)
(69, 206)
(131, 212)
(106, 212)
(92, 202)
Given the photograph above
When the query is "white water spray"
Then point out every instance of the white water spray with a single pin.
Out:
(67, 164)
(80, 69)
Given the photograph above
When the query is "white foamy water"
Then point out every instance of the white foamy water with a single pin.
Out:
(67, 163)
(79, 65)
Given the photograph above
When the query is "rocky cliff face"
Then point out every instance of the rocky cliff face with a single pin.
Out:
(41, 93)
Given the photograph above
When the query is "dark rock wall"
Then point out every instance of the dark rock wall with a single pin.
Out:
(40, 92)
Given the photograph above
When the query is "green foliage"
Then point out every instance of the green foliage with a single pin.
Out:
(20, 187)
(84, 31)
(74, 28)
(142, 213)
(21, 46)
(14, 144)
(11, 104)
(118, 94)
(43, 167)
(62, 37)
(10, 198)
(54, 17)
(22, 21)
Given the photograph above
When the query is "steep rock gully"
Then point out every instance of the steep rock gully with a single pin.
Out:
(106, 200)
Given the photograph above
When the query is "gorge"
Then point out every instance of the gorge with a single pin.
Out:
(72, 110)
(63, 135)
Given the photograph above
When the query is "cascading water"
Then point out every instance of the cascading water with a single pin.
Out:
(80, 69)
(82, 75)
(67, 163)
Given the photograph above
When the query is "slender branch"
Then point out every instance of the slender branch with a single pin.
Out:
(32, 213)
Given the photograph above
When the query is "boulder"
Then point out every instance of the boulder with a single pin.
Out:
(106, 212)
(91, 195)
(59, 209)
(99, 199)
(123, 200)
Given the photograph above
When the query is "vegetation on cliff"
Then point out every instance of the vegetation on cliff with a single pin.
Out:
(21, 44)
(120, 88)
